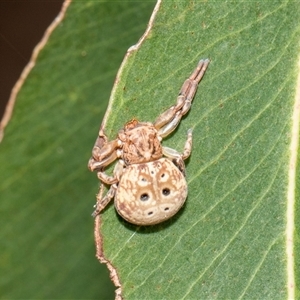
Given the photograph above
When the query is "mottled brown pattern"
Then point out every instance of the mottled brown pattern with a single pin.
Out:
(150, 181)
(141, 167)
(140, 143)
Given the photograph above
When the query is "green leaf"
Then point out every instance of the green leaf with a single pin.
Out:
(233, 238)
(47, 193)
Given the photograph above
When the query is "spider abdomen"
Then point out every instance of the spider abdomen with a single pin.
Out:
(150, 193)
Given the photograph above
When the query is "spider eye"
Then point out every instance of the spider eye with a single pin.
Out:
(166, 191)
(144, 197)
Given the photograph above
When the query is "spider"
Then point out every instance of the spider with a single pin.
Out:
(148, 182)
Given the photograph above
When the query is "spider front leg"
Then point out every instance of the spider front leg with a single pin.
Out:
(169, 119)
(104, 152)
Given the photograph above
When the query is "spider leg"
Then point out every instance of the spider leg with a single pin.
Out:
(169, 119)
(118, 170)
(94, 164)
(103, 153)
(178, 158)
(188, 145)
(102, 202)
(113, 181)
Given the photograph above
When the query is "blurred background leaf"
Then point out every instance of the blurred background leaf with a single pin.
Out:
(47, 194)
